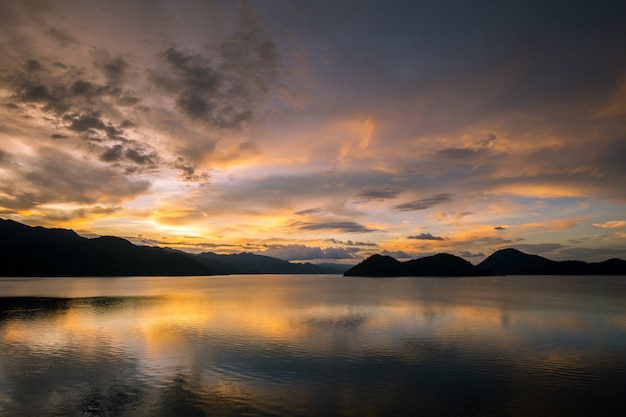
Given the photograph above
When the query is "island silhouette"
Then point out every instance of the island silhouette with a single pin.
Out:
(507, 261)
(39, 251)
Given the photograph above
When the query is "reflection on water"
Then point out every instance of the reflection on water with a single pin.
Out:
(280, 345)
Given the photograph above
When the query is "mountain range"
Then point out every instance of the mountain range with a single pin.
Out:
(502, 262)
(514, 262)
(39, 251)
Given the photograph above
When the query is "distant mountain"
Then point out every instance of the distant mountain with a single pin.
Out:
(514, 262)
(249, 263)
(38, 251)
(439, 265)
(334, 268)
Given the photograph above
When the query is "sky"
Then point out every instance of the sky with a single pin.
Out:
(321, 131)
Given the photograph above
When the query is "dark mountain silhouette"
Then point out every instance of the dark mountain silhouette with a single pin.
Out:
(38, 251)
(442, 264)
(249, 263)
(377, 266)
(514, 262)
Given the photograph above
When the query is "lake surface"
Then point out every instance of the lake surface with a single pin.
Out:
(312, 345)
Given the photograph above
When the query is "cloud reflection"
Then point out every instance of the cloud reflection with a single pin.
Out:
(240, 344)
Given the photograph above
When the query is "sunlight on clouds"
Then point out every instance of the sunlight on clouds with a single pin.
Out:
(207, 122)
(615, 224)
(360, 134)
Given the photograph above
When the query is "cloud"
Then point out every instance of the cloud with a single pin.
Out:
(426, 236)
(398, 254)
(352, 243)
(615, 224)
(118, 154)
(344, 227)
(59, 89)
(539, 248)
(303, 252)
(113, 68)
(225, 86)
(459, 154)
(84, 121)
(260, 105)
(592, 254)
(468, 254)
(378, 193)
(58, 177)
(423, 204)
(61, 36)
(189, 172)
(316, 210)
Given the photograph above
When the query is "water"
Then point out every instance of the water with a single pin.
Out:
(293, 345)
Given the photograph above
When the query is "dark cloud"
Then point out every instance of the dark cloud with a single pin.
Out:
(190, 173)
(344, 227)
(398, 254)
(201, 90)
(303, 252)
(458, 154)
(423, 204)
(592, 254)
(379, 193)
(61, 36)
(468, 254)
(33, 85)
(114, 69)
(83, 213)
(425, 236)
(112, 154)
(58, 136)
(132, 160)
(226, 85)
(500, 228)
(539, 248)
(141, 158)
(83, 88)
(58, 177)
(316, 210)
(32, 65)
(33, 93)
(85, 121)
(491, 241)
(351, 243)
(68, 96)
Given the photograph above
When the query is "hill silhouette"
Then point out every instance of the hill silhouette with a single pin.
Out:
(249, 263)
(514, 262)
(440, 265)
(39, 251)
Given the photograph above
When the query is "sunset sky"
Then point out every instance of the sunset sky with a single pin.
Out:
(320, 131)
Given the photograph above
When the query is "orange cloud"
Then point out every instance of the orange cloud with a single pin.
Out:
(616, 224)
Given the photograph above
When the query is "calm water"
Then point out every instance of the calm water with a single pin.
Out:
(293, 345)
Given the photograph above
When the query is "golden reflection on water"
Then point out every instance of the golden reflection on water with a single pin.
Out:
(157, 323)
(228, 334)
